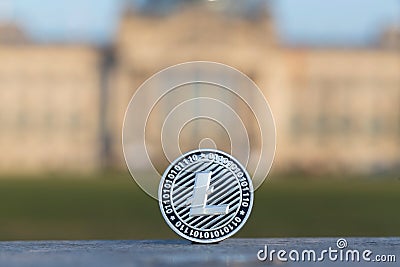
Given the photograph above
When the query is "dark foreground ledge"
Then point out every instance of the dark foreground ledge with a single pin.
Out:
(231, 252)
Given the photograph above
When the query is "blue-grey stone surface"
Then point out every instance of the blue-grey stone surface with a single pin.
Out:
(231, 252)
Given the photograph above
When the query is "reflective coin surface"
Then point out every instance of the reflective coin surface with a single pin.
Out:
(205, 195)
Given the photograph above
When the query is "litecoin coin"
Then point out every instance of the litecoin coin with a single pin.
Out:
(205, 195)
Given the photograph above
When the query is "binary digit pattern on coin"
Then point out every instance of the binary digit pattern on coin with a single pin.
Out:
(205, 195)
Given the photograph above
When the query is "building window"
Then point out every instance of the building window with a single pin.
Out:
(75, 121)
(376, 126)
(22, 120)
(322, 124)
(49, 120)
(296, 125)
(345, 125)
(398, 126)
(2, 121)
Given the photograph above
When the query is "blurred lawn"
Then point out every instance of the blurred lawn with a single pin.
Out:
(111, 206)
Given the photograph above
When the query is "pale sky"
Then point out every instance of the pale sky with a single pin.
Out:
(302, 22)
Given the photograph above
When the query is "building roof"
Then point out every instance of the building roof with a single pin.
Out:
(11, 33)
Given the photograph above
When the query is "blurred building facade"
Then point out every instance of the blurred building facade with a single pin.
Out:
(49, 101)
(62, 106)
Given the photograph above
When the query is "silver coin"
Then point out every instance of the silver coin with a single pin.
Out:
(205, 195)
